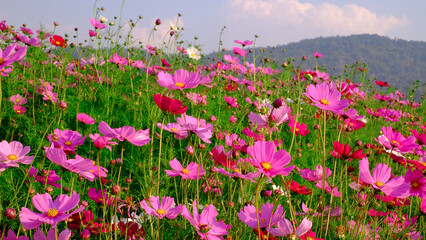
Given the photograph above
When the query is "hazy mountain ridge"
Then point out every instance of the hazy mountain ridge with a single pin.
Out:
(396, 61)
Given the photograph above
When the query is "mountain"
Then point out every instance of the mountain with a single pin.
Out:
(396, 61)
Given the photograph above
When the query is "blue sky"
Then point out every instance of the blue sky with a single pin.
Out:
(274, 21)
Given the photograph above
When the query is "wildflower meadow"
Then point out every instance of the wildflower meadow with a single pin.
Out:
(112, 138)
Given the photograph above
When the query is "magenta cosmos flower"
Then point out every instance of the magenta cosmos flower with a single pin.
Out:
(181, 80)
(81, 166)
(269, 162)
(395, 142)
(84, 118)
(12, 236)
(18, 99)
(197, 126)
(10, 55)
(326, 97)
(267, 217)
(64, 235)
(139, 138)
(381, 179)
(192, 171)
(67, 140)
(13, 153)
(175, 128)
(285, 228)
(205, 223)
(164, 209)
(417, 183)
(52, 212)
(231, 101)
(298, 128)
(273, 118)
(97, 24)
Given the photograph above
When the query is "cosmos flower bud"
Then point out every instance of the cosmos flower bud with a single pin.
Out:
(190, 150)
(157, 22)
(10, 213)
(63, 105)
(116, 189)
(278, 103)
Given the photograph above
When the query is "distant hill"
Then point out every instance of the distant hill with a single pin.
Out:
(396, 61)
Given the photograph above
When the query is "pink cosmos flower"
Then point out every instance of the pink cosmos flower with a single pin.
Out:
(267, 217)
(381, 179)
(285, 228)
(12, 236)
(84, 118)
(102, 141)
(326, 97)
(64, 235)
(395, 142)
(13, 153)
(92, 33)
(18, 99)
(298, 128)
(417, 183)
(52, 212)
(51, 178)
(192, 171)
(231, 101)
(11, 54)
(332, 190)
(315, 175)
(197, 99)
(79, 165)
(273, 118)
(97, 24)
(67, 140)
(100, 196)
(139, 138)
(244, 43)
(317, 55)
(236, 174)
(182, 79)
(205, 223)
(164, 209)
(178, 131)
(423, 206)
(19, 109)
(239, 51)
(200, 127)
(267, 161)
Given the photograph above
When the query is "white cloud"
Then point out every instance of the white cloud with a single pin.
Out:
(281, 21)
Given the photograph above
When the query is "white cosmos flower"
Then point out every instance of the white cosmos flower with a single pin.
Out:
(193, 53)
(103, 19)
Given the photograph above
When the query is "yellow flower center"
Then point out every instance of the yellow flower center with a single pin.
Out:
(415, 184)
(379, 184)
(185, 171)
(12, 157)
(424, 164)
(297, 129)
(193, 55)
(325, 101)
(1, 60)
(173, 129)
(52, 212)
(161, 211)
(236, 170)
(180, 84)
(18, 111)
(263, 220)
(58, 43)
(18, 100)
(394, 142)
(67, 143)
(267, 166)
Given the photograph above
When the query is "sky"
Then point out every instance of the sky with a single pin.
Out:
(275, 22)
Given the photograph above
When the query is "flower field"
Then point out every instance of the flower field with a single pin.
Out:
(115, 139)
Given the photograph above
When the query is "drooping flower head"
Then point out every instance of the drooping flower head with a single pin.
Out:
(84, 118)
(139, 138)
(51, 212)
(205, 223)
(169, 105)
